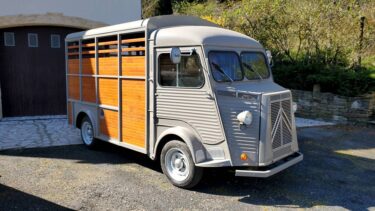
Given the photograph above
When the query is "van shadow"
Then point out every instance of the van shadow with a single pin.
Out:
(104, 153)
(324, 178)
(13, 199)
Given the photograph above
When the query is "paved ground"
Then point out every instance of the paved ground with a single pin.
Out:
(338, 173)
(37, 132)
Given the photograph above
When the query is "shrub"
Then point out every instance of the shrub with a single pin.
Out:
(313, 42)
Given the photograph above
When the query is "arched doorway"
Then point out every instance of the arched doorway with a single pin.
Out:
(32, 70)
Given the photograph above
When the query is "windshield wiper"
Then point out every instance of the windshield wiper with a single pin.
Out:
(222, 71)
(249, 67)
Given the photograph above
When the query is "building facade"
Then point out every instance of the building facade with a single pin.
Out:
(32, 61)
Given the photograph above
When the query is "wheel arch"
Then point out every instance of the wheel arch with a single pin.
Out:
(182, 134)
(81, 114)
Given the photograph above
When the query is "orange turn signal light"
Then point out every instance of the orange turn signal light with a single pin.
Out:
(243, 156)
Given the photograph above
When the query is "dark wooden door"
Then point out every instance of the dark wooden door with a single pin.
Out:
(32, 73)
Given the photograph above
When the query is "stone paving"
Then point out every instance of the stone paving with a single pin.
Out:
(37, 132)
(45, 131)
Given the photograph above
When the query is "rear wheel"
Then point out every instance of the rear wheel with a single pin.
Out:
(178, 165)
(87, 133)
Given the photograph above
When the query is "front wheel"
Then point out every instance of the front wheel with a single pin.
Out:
(178, 165)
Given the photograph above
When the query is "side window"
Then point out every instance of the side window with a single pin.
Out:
(32, 40)
(55, 41)
(188, 73)
(9, 39)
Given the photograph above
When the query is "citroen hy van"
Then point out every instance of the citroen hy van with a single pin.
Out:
(183, 91)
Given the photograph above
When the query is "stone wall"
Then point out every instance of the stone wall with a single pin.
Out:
(328, 106)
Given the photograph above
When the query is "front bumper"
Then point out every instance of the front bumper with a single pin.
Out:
(281, 165)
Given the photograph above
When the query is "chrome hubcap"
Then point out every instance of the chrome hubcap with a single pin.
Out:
(87, 133)
(177, 164)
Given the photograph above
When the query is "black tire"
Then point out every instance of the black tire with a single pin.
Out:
(94, 142)
(194, 174)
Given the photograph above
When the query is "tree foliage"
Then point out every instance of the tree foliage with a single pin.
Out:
(312, 41)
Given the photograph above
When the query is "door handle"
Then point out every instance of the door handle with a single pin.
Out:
(209, 96)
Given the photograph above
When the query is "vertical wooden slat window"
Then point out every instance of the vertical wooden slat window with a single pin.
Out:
(133, 89)
(55, 41)
(9, 39)
(33, 40)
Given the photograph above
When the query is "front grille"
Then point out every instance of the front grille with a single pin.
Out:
(281, 120)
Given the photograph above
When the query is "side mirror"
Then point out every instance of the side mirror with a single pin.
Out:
(175, 55)
(269, 57)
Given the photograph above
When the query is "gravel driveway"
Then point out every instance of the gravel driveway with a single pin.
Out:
(338, 172)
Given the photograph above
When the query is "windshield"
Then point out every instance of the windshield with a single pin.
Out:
(226, 66)
(255, 65)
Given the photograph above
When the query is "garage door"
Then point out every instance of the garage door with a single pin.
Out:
(32, 70)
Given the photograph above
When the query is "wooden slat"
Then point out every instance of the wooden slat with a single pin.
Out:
(108, 43)
(108, 51)
(73, 46)
(133, 113)
(93, 52)
(109, 123)
(73, 54)
(88, 45)
(70, 113)
(108, 91)
(73, 87)
(133, 49)
(108, 66)
(100, 44)
(134, 40)
(133, 66)
(88, 66)
(88, 89)
(73, 66)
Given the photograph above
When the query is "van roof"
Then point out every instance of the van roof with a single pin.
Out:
(202, 35)
(149, 24)
(175, 30)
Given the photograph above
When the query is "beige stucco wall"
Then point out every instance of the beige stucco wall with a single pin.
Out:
(50, 19)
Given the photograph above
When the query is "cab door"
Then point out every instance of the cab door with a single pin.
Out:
(184, 96)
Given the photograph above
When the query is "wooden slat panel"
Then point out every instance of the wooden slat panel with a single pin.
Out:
(91, 52)
(88, 89)
(134, 40)
(109, 123)
(70, 113)
(108, 91)
(73, 66)
(88, 66)
(133, 66)
(133, 112)
(108, 66)
(133, 49)
(108, 43)
(73, 87)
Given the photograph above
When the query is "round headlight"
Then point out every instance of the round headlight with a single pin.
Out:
(245, 117)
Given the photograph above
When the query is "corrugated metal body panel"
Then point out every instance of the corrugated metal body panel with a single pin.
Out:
(240, 138)
(194, 107)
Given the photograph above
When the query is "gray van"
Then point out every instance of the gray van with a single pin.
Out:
(184, 91)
